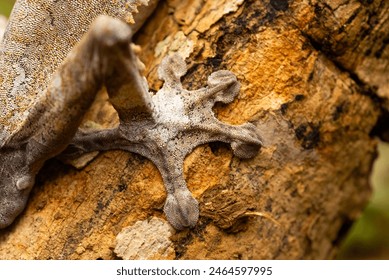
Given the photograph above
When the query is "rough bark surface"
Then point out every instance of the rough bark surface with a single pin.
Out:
(314, 82)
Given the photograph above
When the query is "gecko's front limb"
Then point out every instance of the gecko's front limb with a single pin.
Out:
(52, 123)
(180, 121)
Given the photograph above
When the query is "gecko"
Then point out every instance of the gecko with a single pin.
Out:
(54, 58)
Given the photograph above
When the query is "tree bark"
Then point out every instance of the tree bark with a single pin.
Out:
(314, 82)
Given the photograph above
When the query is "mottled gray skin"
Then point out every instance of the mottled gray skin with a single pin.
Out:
(164, 127)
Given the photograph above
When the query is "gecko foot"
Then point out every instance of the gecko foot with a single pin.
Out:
(167, 126)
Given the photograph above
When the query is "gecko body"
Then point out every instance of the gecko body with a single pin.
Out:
(39, 36)
(56, 55)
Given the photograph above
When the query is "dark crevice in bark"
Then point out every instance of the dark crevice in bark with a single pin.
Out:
(381, 129)
(334, 49)
(366, 89)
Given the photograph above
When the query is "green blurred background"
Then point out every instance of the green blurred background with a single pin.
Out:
(6, 6)
(369, 236)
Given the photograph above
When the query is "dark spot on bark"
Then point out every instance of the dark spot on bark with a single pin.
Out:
(99, 206)
(103, 203)
(214, 62)
(41, 205)
(270, 16)
(256, 14)
(318, 9)
(279, 5)
(300, 131)
(284, 107)
(52, 17)
(310, 77)
(268, 206)
(253, 16)
(338, 111)
(241, 22)
(366, 2)
(312, 139)
(373, 20)
(190, 86)
(308, 134)
(379, 52)
(122, 187)
(238, 31)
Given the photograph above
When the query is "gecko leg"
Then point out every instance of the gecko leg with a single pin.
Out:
(53, 121)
